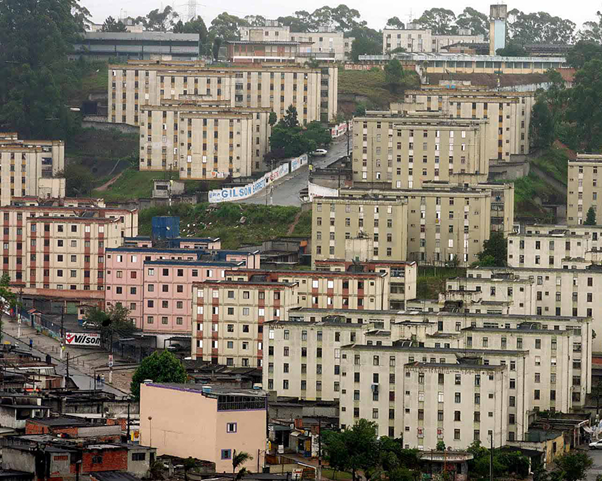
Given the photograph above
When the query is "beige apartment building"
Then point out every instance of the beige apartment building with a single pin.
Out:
(406, 151)
(437, 223)
(544, 291)
(30, 168)
(203, 141)
(584, 188)
(55, 250)
(374, 228)
(551, 249)
(423, 40)
(228, 318)
(402, 275)
(326, 289)
(508, 114)
(313, 91)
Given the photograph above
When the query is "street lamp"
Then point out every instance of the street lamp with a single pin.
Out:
(150, 431)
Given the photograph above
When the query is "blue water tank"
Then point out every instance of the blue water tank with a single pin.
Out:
(166, 227)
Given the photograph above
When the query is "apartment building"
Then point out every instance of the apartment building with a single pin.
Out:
(423, 40)
(508, 114)
(53, 250)
(583, 189)
(543, 291)
(327, 290)
(443, 222)
(550, 249)
(402, 275)
(228, 318)
(316, 373)
(362, 228)
(406, 151)
(313, 91)
(226, 420)
(30, 168)
(203, 141)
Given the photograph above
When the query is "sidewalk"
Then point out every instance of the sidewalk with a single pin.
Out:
(91, 360)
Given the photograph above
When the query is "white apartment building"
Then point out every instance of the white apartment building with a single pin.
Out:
(551, 249)
(583, 189)
(30, 168)
(423, 40)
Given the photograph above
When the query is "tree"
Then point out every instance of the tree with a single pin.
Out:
(475, 21)
(36, 77)
(572, 466)
(541, 128)
(114, 321)
(78, 179)
(289, 139)
(356, 448)
(584, 106)
(273, 119)
(8, 299)
(226, 26)
(196, 25)
(189, 463)
(112, 25)
(160, 366)
(583, 51)
(539, 27)
(290, 118)
(365, 46)
(238, 459)
(316, 133)
(394, 75)
(591, 216)
(440, 446)
(495, 251)
(394, 22)
(512, 49)
(440, 21)
(159, 21)
(592, 31)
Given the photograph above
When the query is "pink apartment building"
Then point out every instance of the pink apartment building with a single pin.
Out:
(156, 284)
(204, 243)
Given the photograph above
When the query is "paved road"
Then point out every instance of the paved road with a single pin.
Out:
(81, 379)
(596, 467)
(286, 191)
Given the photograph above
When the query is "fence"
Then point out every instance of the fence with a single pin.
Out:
(243, 192)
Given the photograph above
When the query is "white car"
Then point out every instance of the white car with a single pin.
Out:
(320, 152)
(596, 445)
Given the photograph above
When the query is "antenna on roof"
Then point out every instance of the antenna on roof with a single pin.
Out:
(191, 9)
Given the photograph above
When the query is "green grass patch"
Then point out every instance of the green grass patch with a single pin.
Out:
(102, 145)
(235, 224)
(431, 280)
(372, 85)
(526, 191)
(330, 473)
(132, 184)
(555, 163)
(94, 80)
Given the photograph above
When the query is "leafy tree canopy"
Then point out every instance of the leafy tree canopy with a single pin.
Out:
(290, 139)
(472, 19)
(159, 21)
(112, 25)
(591, 216)
(539, 27)
(394, 22)
(495, 250)
(441, 21)
(161, 366)
(512, 49)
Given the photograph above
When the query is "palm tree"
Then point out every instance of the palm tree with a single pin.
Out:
(238, 459)
(189, 464)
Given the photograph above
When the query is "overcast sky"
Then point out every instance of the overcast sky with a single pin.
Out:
(375, 12)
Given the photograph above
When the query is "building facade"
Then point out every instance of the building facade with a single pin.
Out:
(583, 189)
(203, 141)
(423, 40)
(31, 168)
(313, 91)
(404, 152)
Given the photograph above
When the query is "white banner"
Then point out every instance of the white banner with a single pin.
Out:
(82, 339)
(245, 191)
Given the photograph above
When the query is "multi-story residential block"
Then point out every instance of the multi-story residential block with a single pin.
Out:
(203, 141)
(508, 114)
(228, 318)
(541, 291)
(363, 228)
(313, 91)
(549, 249)
(226, 421)
(402, 275)
(327, 289)
(444, 222)
(423, 40)
(404, 152)
(584, 189)
(55, 250)
(30, 168)
(297, 369)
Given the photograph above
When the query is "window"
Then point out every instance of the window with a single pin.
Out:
(226, 453)
(231, 427)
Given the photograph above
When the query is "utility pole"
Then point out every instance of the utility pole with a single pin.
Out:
(319, 473)
(111, 359)
(491, 459)
(128, 429)
(347, 139)
(67, 367)
(62, 329)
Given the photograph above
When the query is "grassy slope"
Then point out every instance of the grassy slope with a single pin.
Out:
(431, 281)
(555, 163)
(94, 81)
(224, 220)
(371, 84)
(526, 189)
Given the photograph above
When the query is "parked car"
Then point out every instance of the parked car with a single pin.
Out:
(319, 152)
(596, 445)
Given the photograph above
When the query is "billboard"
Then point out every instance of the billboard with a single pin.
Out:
(82, 339)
